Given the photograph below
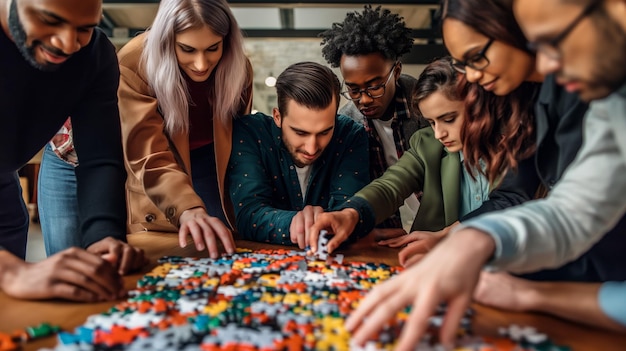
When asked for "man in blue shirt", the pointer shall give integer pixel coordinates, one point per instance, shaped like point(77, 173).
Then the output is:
point(287, 168)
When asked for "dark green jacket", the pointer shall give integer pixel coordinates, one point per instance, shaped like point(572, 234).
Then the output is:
point(426, 167)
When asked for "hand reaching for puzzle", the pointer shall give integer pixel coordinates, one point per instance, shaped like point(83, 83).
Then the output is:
point(448, 274)
point(299, 230)
point(339, 223)
point(205, 231)
point(418, 243)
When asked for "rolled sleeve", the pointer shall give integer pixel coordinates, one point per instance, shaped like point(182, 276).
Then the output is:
point(612, 300)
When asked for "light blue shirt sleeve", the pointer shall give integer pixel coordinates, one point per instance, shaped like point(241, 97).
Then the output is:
point(612, 300)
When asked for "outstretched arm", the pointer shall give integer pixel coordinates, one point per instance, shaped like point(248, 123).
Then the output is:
point(539, 234)
point(598, 305)
point(448, 273)
point(581, 208)
point(383, 196)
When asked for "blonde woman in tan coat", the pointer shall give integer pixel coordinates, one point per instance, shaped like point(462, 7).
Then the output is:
point(182, 82)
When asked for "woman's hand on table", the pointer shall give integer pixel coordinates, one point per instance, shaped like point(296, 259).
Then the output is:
point(205, 231)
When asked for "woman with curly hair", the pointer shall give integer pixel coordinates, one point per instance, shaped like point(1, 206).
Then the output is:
point(493, 55)
point(513, 113)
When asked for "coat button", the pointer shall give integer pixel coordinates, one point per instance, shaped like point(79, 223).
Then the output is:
point(170, 212)
point(150, 217)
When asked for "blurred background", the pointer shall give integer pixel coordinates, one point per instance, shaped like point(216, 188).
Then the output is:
point(279, 33)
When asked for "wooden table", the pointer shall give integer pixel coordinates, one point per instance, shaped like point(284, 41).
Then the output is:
point(17, 314)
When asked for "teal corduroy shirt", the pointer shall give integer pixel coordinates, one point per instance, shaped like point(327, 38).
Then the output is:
point(263, 182)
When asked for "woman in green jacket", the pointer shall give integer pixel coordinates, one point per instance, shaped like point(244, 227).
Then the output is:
point(432, 165)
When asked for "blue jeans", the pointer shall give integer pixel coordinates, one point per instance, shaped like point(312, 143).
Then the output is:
point(57, 203)
point(14, 218)
point(204, 179)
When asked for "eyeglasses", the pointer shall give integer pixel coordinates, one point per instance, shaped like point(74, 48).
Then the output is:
point(374, 92)
point(477, 61)
point(550, 47)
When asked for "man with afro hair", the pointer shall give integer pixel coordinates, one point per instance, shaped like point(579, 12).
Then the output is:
point(367, 47)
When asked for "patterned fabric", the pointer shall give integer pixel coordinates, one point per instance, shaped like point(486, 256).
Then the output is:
point(377, 153)
point(63, 144)
point(402, 117)
point(264, 185)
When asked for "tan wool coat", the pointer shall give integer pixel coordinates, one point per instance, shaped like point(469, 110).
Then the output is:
point(159, 187)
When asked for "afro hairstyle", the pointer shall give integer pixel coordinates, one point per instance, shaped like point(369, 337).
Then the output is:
point(371, 31)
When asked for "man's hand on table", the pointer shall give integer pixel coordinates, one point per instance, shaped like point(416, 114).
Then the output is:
point(72, 274)
point(339, 223)
point(122, 256)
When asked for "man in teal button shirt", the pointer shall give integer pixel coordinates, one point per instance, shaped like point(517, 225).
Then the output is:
point(304, 159)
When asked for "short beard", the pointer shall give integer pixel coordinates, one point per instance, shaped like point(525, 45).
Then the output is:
point(609, 71)
point(19, 37)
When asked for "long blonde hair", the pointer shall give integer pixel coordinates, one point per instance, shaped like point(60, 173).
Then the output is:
point(162, 70)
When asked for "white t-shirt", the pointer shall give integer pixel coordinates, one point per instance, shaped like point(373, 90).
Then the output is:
point(411, 203)
point(303, 179)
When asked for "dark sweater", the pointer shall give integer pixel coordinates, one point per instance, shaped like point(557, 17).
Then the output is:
point(34, 104)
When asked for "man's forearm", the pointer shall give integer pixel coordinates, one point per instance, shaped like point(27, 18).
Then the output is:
point(573, 301)
point(8, 263)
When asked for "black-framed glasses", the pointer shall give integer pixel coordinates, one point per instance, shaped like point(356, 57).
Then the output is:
point(550, 47)
point(374, 92)
point(477, 61)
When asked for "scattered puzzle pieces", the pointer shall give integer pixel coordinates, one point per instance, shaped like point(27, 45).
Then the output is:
point(258, 301)
point(10, 342)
